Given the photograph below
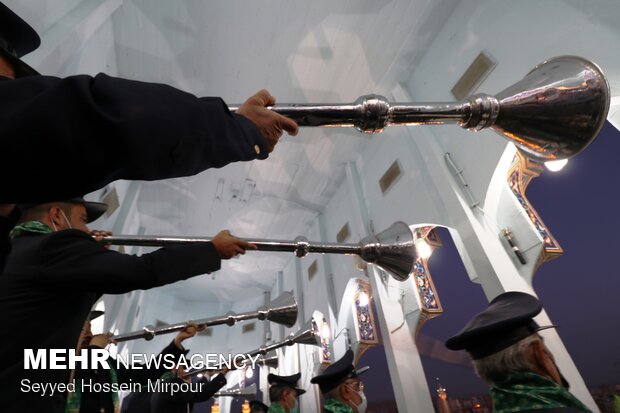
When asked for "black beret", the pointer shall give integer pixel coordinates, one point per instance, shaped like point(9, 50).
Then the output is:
point(338, 372)
point(288, 381)
point(507, 320)
point(93, 209)
point(17, 38)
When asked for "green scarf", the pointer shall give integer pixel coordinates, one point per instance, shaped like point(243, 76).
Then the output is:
point(617, 404)
point(74, 399)
point(334, 406)
point(530, 391)
point(30, 227)
point(168, 376)
point(275, 407)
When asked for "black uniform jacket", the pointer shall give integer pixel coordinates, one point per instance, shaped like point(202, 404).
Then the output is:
point(6, 225)
point(48, 286)
point(67, 137)
point(178, 402)
point(101, 402)
point(137, 402)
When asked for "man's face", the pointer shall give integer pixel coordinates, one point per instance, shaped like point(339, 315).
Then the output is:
point(289, 398)
point(351, 392)
point(78, 217)
point(544, 362)
point(6, 68)
point(552, 368)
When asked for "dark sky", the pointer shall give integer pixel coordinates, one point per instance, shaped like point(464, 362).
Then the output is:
point(580, 290)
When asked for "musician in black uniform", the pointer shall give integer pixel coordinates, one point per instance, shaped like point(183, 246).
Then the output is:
point(183, 401)
point(88, 401)
point(56, 271)
point(109, 128)
point(71, 136)
point(510, 355)
point(283, 393)
point(341, 386)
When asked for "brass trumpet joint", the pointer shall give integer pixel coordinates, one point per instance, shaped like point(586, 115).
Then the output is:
point(482, 110)
point(375, 113)
point(302, 246)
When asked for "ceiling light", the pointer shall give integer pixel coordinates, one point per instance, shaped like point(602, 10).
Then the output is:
point(424, 250)
point(325, 332)
point(362, 299)
point(555, 166)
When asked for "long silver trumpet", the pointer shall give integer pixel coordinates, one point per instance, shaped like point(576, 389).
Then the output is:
point(392, 250)
point(269, 360)
point(235, 391)
point(281, 310)
point(308, 334)
point(552, 113)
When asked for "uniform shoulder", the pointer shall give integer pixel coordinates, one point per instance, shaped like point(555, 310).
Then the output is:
point(67, 238)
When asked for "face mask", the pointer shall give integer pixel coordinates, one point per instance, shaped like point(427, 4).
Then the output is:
point(295, 407)
point(66, 220)
point(361, 408)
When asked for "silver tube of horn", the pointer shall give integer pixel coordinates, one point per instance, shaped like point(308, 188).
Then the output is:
point(392, 250)
point(235, 391)
point(281, 310)
point(553, 113)
point(308, 334)
point(269, 360)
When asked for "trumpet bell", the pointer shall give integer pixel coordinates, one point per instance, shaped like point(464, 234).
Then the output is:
point(308, 334)
point(392, 250)
point(556, 110)
point(235, 391)
point(281, 310)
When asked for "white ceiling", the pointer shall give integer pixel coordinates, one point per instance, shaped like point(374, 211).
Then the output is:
point(317, 51)
point(312, 51)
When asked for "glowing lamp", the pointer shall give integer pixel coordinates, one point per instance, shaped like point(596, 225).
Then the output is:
point(555, 166)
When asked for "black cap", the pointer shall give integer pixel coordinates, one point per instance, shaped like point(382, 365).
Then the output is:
point(257, 406)
point(507, 320)
point(17, 39)
point(94, 314)
point(93, 209)
point(288, 381)
point(338, 372)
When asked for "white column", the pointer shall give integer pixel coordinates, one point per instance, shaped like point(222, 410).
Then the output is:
point(393, 300)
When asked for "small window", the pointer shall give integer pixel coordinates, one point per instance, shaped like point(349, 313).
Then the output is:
point(344, 233)
point(479, 69)
point(390, 177)
point(312, 269)
point(248, 328)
